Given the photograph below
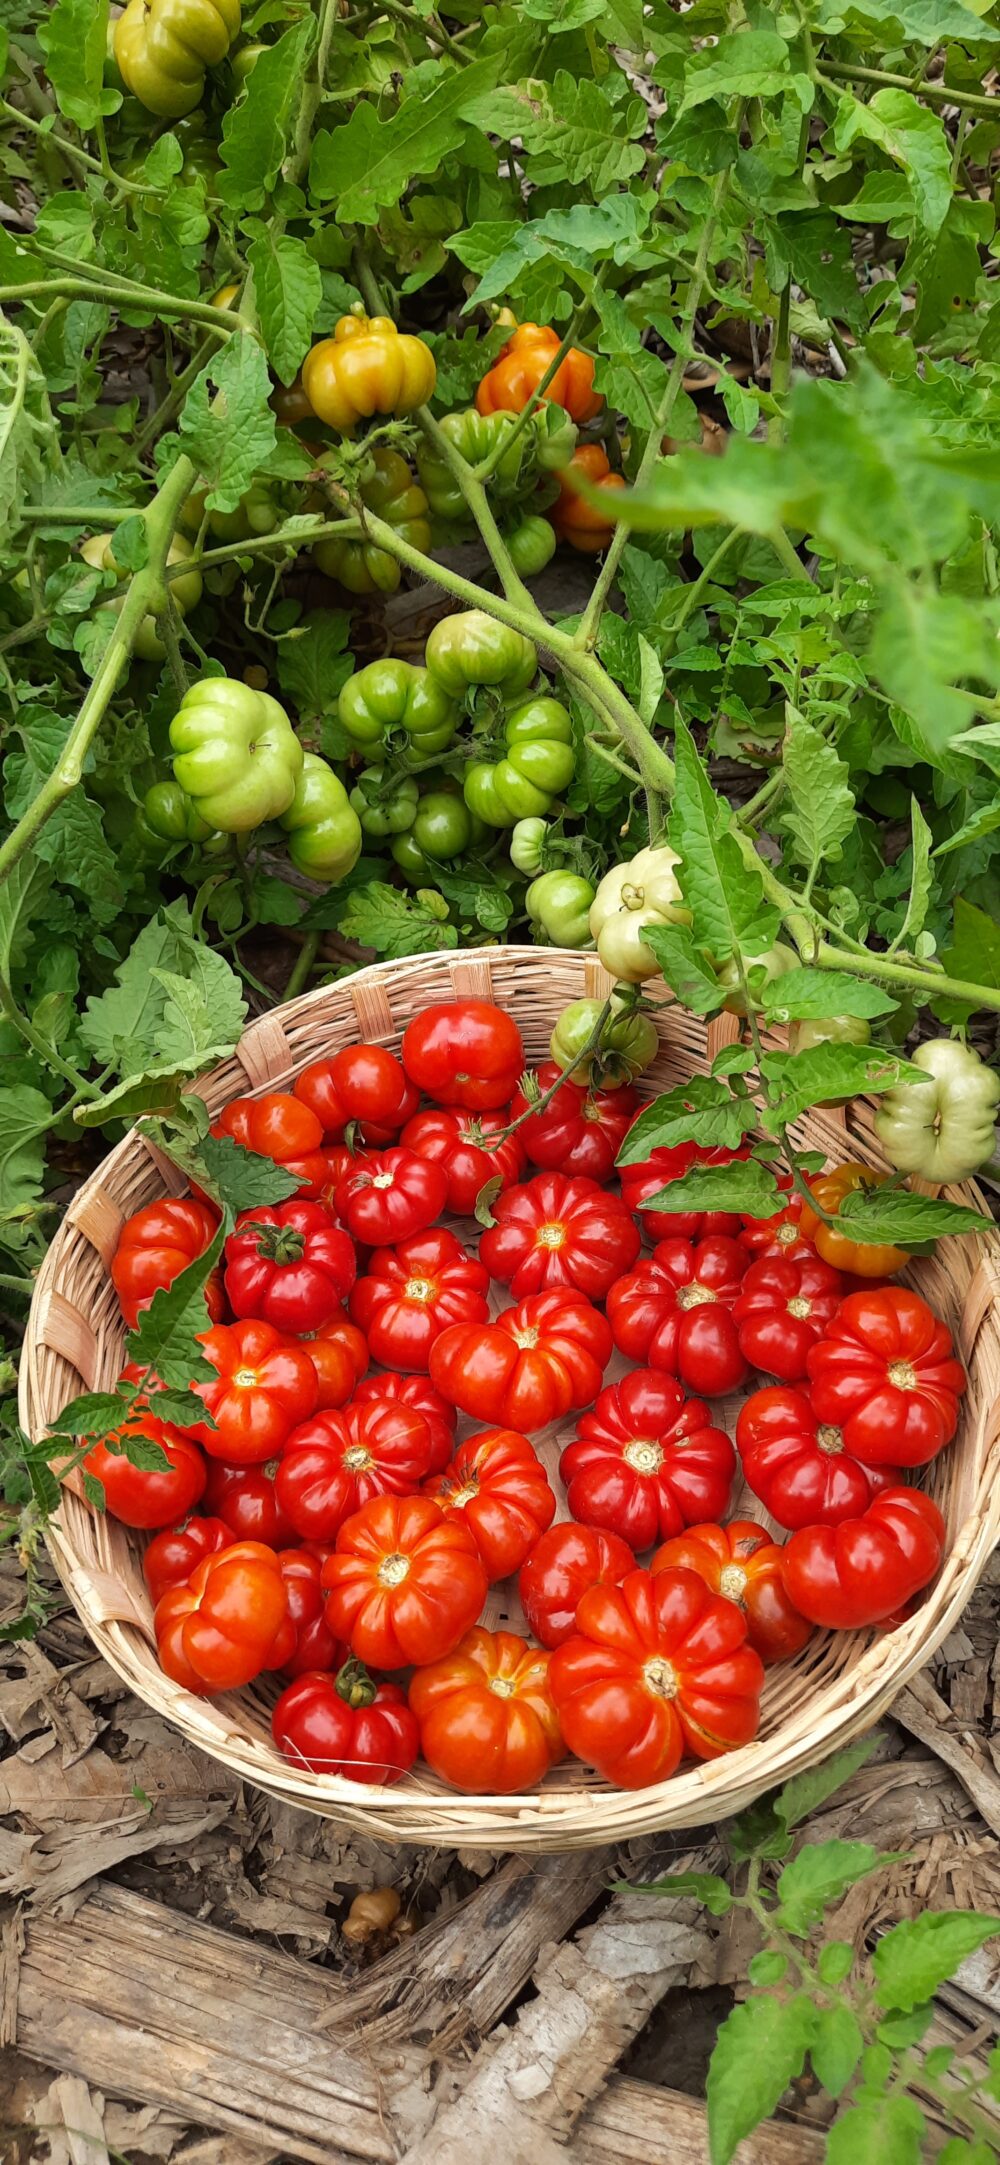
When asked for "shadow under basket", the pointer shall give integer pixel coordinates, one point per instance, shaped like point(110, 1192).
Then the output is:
point(835, 1689)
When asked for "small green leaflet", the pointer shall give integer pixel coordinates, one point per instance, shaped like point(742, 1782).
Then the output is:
point(826, 1072)
point(974, 955)
point(705, 1887)
point(165, 1334)
point(288, 286)
point(804, 1793)
point(21, 897)
point(884, 2131)
point(23, 1112)
point(810, 995)
point(257, 128)
point(230, 434)
point(893, 1214)
point(703, 1111)
point(821, 810)
point(912, 136)
point(917, 1956)
point(819, 1875)
point(760, 2049)
point(723, 891)
point(238, 1179)
point(685, 969)
point(393, 924)
point(369, 161)
point(746, 1188)
point(73, 36)
point(919, 900)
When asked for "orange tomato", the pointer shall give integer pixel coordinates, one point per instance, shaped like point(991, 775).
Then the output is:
point(862, 1258)
point(520, 366)
point(582, 524)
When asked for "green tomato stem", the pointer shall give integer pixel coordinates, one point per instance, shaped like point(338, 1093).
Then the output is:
point(304, 962)
point(968, 101)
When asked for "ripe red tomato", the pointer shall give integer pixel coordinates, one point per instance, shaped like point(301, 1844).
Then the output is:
point(410, 1294)
point(273, 1126)
point(363, 1083)
point(441, 1418)
point(886, 1373)
point(389, 1195)
point(243, 1498)
point(646, 1461)
point(319, 1174)
point(158, 1497)
point(347, 1725)
point(675, 1312)
point(784, 1307)
point(265, 1388)
point(654, 1668)
point(779, 1238)
point(155, 1245)
point(227, 1623)
point(559, 1570)
point(487, 1721)
point(406, 1581)
point(656, 1172)
point(462, 1144)
point(464, 1052)
point(339, 1354)
point(537, 1362)
point(742, 1563)
point(315, 1646)
point(289, 1265)
point(581, 1132)
point(798, 1465)
point(497, 1482)
point(557, 1232)
point(173, 1554)
point(337, 1461)
point(866, 1568)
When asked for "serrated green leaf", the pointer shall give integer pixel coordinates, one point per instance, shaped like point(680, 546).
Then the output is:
point(836, 2048)
point(73, 37)
point(827, 1072)
point(21, 898)
point(685, 969)
point(886, 2131)
point(803, 1793)
point(157, 1091)
point(703, 1110)
point(760, 2049)
point(896, 1216)
point(164, 1338)
point(393, 924)
point(916, 1956)
point(819, 1875)
point(746, 1187)
point(912, 136)
point(23, 1110)
point(815, 995)
point(93, 1414)
point(821, 810)
point(226, 423)
point(370, 161)
point(725, 895)
point(706, 1887)
point(257, 128)
point(288, 285)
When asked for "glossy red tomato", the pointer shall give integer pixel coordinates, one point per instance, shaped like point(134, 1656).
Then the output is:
point(866, 1568)
point(487, 1721)
point(656, 1172)
point(561, 1566)
point(798, 1465)
point(784, 1306)
point(464, 1052)
point(348, 1725)
point(581, 1132)
point(155, 1245)
point(498, 1483)
point(265, 1388)
point(339, 1354)
point(557, 1232)
point(172, 1555)
point(646, 1461)
point(315, 1646)
point(406, 1581)
point(441, 1418)
point(290, 1265)
point(537, 1362)
point(675, 1312)
point(227, 1623)
point(160, 1496)
point(273, 1126)
point(742, 1563)
point(389, 1195)
point(363, 1083)
point(319, 1174)
point(243, 1498)
point(886, 1374)
point(413, 1292)
point(655, 1667)
point(464, 1146)
point(780, 1238)
point(338, 1461)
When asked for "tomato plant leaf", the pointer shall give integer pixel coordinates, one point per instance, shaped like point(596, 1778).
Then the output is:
point(821, 811)
point(805, 1792)
point(916, 1956)
point(724, 894)
point(370, 161)
point(836, 2048)
point(164, 1336)
point(288, 285)
point(229, 433)
point(257, 128)
point(73, 36)
point(893, 1214)
point(759, 2050)
point(884, 2131)
point(703, 1110)
point(747, 1188)
point(811, 995)
point(819, 1875)
point(824, 1073)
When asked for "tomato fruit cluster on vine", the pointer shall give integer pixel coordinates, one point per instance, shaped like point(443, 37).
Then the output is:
point(327, 1519)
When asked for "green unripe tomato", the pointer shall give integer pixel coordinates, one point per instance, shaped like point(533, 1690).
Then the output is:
point(628, 1043)
point(236, 754)
point(941, 1128)
point(558, 904)
point(394, 695)
point(406, 853)
point(531, 546)
point(185, 591)
point(385, 807)
point(829, 1030)
point(172, 815)
point(775, 962)
point(480, 792)
point(472, 648)
point(527, 844)
point(245, 60)
point(444, 827)
point(324, 830)
point(631, 897)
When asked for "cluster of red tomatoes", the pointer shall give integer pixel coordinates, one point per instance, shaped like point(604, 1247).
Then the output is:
point(348, 1534)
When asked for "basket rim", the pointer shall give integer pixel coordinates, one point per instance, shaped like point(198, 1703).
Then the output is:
point(593, 1815)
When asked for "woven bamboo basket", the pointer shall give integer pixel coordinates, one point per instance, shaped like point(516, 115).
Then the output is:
point(835, 1689)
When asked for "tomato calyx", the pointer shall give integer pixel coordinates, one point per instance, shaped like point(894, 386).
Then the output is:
point(526, 1338)
point(551, 1236)
point(660, 1678)
point(393, 1569)
point(381, 1180)
point(829, 1439)
point(278, 1243)
point(694, 1295)
point(419, 1289)
point(733, 1583)
point(246, 1379)
point(902, 1375)
point(354, 1685)
point(643, 1454)
point(799, 1307)
point(357, 1459)
point(502, 1686)
point(787, 1236)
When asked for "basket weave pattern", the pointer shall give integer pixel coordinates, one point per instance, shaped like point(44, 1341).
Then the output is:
point(832, 1691)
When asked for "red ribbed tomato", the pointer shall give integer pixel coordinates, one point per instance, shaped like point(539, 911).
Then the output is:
point(559, 1570)
point(406, 1582)
point(742, 1563)
point(675, 1313)
point(363, 1083)
point(867, 1568)
point(557, 1232)
point(243, 1498)
point(413, 1292)
point(798, 1465)
point(339, 1354)
point(465, 1147)
point(487, 1721)
point(441, 1418)
point(337, 1462)
point(646, 1461)
point(389, 1195)
point(227, 1623)
point(785, 1304)
point(497, 1482)
point(464, 1052)
point(155, 1245)
point(265, 1388)
point(290, 1265)
point(537, 1362)
point(348, 1725)
point(887, 1375)
point(581, 1132)
point(159, 1496)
